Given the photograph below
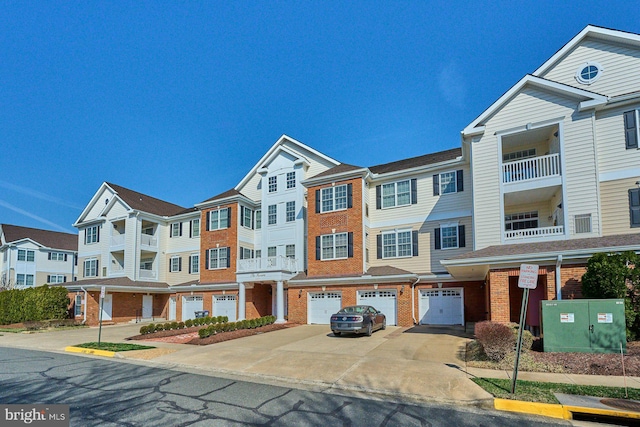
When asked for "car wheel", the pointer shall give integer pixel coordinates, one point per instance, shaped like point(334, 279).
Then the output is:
point(369, 329)
point(384, 324)
point(337, 334)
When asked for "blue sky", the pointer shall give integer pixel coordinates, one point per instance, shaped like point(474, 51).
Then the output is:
point(178, 100)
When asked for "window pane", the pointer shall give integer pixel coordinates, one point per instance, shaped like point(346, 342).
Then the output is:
point(291, 179)
point(449, 237)
point(447, 182)
point(291, 211)
point(271, 251)
point(327, 199)
point(389, 245)
point(195, 228)
point(272, 214)
point(388, 195)
point(22, 255)
point(224, 218)
point(291, 251)
point(340, 241)
point(213, 258)
point(404, 193)
point(341, 197)
point(195, 263)
point(404, 244)
point(273, 184)
point(327, 247)
point(258, 220)
point(213, 217)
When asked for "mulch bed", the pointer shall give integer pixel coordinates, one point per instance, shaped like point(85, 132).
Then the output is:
point(595, 363)
point(190, 335)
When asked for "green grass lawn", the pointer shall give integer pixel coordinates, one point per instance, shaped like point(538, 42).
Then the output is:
point(533, 391)
point(13, 330)
point(111, 346)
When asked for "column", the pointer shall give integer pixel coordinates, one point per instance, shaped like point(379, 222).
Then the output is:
point(280, 302)
point(241, 301)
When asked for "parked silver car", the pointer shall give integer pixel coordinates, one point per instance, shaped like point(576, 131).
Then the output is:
point(358, 319)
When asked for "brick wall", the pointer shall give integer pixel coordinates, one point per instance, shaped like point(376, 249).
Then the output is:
point(227, 237)
point(258, 301)
point(349, 220)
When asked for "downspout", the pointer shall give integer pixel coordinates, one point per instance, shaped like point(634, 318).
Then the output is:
point(558, 279)
point(84, 312)
point(413, 304)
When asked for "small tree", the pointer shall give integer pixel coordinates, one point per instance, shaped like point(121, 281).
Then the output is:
point(615, 276)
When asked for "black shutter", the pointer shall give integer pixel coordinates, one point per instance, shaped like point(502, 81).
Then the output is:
point(252, 254)
point(48, 278)
point(228, 256)
point(85, 236)
point(180, 264)
point(98, 233)
point(459, 183)
point(190, 229)
point(253, 220)
point(65, 257)
point(180, 233)
point(64, 279)
point(350, 247)
point(461, 237)
point(437, 238)
point(190, 261)
point(208, 220)
point(436, 185)
point(241, 252)
point(97, 268)
point(84, 266)
point(630, 129)
point(349, 196)
point(317, 201)
point(379, 246)
point(228, 218)
point(317, 248)
point(242, 216)
point(378, 197)
point(414, 191)
point(206, 260)
point(634, 207)
point(414, 242)
point(49, 257)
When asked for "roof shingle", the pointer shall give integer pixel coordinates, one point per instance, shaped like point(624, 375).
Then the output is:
point(49, 239)
point(144, 203)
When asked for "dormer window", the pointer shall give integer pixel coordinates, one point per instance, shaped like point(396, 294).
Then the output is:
point(588, 73)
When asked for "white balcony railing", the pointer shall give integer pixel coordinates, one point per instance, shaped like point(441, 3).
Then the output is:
point(148, 240)
point(274, 263)
point(116, 268)
point(535, 167)
point(147, 274)
point(532, 233)
point(117, 240)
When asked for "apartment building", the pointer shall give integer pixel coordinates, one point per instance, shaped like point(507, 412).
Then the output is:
point(135, 246)
point(555, 172)
point(34, 257)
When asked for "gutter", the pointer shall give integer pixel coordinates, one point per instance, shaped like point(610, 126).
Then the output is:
point(84, 312)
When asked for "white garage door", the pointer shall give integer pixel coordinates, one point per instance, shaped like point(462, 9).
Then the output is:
point(441, 307)
point(384, 301)
point(225, 305)
point(189, 307)
point(322, 305)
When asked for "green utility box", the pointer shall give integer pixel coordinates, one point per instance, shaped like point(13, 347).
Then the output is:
point(584, 325)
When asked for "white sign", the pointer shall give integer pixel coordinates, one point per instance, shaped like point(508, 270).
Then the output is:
point(566, 318)
point(102, 292)
point(528, 276)
point(605, 317)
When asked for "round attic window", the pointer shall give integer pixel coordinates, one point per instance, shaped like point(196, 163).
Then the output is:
point(589, 73)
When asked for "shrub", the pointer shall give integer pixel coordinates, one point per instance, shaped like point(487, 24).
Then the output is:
point(527, 337)
point(180, 325)
point(207, 320)
point(144, 330)
point(151, 328)
point(188, 323)
point(174, 325)
point(225, 319)
point(497, 339)
point(203, 333)
point(167, 326)
point(33, 304)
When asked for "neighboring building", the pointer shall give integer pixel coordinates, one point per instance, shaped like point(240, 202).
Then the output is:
point(556, 173)
point(136, 246)
point(34, 257)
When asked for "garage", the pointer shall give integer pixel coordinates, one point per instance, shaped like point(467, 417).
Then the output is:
point(383, 300)
point(322, 305)
point(225, 305)
point(441, 306)
point(190, 305)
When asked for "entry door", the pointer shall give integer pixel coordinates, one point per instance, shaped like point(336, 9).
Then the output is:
point(322, 305)
point(107, 307)
point(147, 306)
point(225, 305)
point(172, 308)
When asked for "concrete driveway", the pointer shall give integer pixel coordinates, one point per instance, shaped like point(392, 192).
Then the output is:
point(421, 363)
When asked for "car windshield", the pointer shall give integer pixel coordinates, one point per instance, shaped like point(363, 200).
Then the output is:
point(356, 309)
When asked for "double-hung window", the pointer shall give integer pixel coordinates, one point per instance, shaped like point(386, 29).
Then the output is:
point(271, 251)
point(634, 207)
point(258, 219)
point(91, 268)
point(397, 244)
point(450, 236)
point(26, 255)
point(273, 184)
point(218, 258)
point(218, 219)
point(272, 214)
point(194, 263)
point(55, 278)
point(77, 309)
point(334, 198)
point(290, 251)
point(291, 211)
point(24, 280)
point(247, 217)
point(396, 194)
point(57, 256)
point(195, 228)
point(291, 180)
point(91, 234)
point(176, 229)
point(175, 264)
point(448, 182)
point(334, 246)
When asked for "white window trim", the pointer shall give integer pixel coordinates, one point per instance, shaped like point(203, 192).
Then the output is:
point(175, 229)
point(582, 67)
point(84, 267)
point(91, 237)
point(395, 194)
point(77, 311)
point(396, 232)
point(449, 225)
point(333, 246)
point(275, 184)
point(59, 278)
point(226, 215)
point(258, 216)
point(248, 224)
point(333, 198)
point(171, 266)
point(286, 211)
point(269, 215)
point(218, 258)
point(455, 180)
point(288, 181)
point(197, 265)
point(195, 221)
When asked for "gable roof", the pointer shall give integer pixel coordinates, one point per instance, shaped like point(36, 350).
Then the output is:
point(46, 238)
point(342, 168)
point(142, 202)
point(414, 162)
point(223, 195)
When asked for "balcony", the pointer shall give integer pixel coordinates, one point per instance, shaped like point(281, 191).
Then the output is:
point(532, 168)
point(148, 240)
point(146, 274)
point(275, 263)
point(117, 240)
point(534, 233)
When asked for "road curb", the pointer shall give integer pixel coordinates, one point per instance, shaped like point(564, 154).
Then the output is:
point(559, 411)
point(91, 351)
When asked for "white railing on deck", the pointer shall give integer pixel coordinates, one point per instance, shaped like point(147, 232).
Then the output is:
point(148, 240)
point(532, 233)
point(117, 240)
point(532, 168)
point(147, 274)
point(274, 263)
point(116, 268)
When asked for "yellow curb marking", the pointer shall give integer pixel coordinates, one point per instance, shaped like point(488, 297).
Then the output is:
point(556, 410)
point(95, 352)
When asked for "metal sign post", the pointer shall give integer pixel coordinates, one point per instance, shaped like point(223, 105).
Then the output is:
point(102, 293)
point(528, 280)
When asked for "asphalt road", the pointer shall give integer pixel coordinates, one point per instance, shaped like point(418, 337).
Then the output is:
point(115, 393)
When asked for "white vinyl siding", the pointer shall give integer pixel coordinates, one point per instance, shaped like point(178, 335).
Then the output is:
point(614, 196)
point(613, 156)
